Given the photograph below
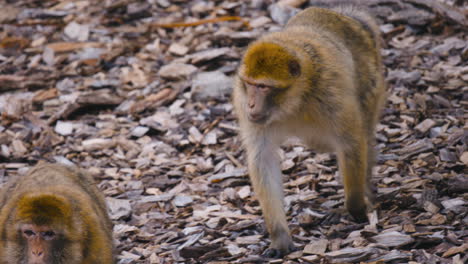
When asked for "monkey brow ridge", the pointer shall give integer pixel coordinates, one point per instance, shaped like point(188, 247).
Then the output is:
point(43, 209)
point(266, 59)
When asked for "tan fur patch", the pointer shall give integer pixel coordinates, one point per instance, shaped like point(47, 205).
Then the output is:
point(268, 60)
point(43, 209)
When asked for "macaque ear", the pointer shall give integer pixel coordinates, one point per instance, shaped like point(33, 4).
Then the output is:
point(294, 68)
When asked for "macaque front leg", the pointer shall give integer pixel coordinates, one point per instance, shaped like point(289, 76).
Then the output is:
point(265, 174)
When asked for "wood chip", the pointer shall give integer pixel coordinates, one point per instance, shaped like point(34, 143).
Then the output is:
point(177, 71)
point(425, 125)
point(316, 247)
point(392, 239)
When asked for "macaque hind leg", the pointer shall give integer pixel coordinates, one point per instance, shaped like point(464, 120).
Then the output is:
point(353, 163)
point(371, 190)
point(266, 178)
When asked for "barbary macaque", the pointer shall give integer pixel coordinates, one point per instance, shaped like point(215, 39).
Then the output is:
point(319, 79)
point(54, 215)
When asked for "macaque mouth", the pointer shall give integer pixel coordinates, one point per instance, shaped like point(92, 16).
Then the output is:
point(258, 118)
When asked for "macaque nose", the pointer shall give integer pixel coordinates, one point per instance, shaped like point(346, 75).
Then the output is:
point(37, 253)
point(251, 104)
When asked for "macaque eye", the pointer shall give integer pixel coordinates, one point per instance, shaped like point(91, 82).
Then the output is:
point(263, 88)
point(28, 233)
point(48, 235)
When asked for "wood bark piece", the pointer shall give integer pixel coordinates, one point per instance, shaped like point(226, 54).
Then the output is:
point(59, 47)
point(442, 10)
point(352, 255)
point(98, 98)
point(153, 101)
point(392, 239)
point(415, 148)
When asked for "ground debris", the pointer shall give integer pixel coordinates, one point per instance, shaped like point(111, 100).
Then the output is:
point(138, 93)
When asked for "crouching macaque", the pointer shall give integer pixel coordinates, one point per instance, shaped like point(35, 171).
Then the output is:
point(319, 79)
point(54, 215)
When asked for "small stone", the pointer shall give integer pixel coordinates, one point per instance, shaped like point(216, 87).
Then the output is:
point(18, 147)
point(195, 135)
point(48, 56)
point(233, 249)
point(65, 85)
point(64, 128)
point(211, 85)
point(140, 131)
point(447, 156)
point(464, 158)
point(176, 107)
point(177, 70)
point(76, 31)
point(244, 192)
point(118, 208)
point(386, 28)
point(5, 151)
point(453, 203)
point(178, 49)
point(287, 164)
point(435, 132)
point(210, 138)
point(182, 200)
point(282, 13)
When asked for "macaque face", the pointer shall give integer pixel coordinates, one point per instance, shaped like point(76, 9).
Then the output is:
point(261, 100)
point(258, 102)
point(38, 240)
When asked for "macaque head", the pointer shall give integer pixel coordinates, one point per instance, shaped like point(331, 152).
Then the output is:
point(268, 75)
point(41, 223)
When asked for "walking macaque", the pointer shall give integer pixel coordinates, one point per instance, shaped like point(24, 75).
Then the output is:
point(319, 79)
point(54, 215)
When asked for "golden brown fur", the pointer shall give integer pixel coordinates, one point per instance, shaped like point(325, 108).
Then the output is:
point(319, 79)
point(58, 199)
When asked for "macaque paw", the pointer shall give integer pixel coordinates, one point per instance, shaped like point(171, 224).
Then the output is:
point(359, 215)
point(276, 253)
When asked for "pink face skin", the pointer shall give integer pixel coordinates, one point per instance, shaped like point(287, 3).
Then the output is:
point(39, 239)
point(257, 104)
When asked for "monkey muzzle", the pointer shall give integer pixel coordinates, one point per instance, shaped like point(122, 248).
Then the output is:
point(258, 118)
